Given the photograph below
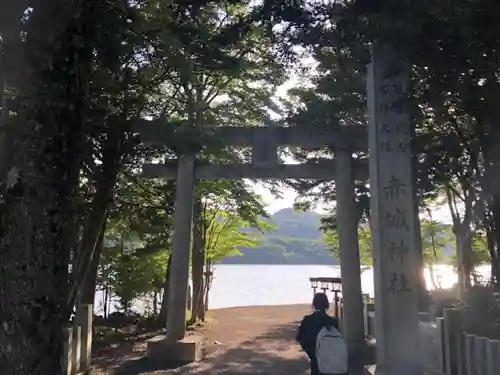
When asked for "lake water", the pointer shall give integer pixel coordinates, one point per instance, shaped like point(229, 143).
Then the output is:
point(249, 285)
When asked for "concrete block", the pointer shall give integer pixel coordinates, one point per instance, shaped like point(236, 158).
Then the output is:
point(163, 351)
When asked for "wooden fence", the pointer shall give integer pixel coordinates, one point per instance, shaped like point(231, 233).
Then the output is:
point(78, 343)
point(445, 348)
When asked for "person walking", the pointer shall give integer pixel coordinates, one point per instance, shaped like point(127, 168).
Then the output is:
point(320, 337)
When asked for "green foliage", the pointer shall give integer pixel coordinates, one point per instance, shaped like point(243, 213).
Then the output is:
point(480, 254)
point(204, 66)
point(226, 234)
point(365, 244)
point(295, 238)
point(482, 312)
point(137, 240)
point(437, 240)
point(126, 273)
point(131, 276)
point(146, 208)
point(454, 74)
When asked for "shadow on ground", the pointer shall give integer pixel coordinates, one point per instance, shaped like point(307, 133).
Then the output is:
point(273, 352)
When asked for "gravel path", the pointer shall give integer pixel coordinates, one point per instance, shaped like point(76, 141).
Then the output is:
point(244, 341)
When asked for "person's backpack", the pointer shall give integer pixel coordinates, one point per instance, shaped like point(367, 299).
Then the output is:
point(331, 351)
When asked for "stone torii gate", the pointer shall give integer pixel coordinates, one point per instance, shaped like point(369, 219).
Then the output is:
point(264, 142)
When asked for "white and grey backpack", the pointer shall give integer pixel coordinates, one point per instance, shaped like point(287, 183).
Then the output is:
point(331, 351)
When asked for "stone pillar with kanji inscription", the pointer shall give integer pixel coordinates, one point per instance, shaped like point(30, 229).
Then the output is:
point(181, 244)
point(352, 295)
point(396, 262)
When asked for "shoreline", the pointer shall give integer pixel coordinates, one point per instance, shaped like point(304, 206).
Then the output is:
point(252, 307)
point(274, 285)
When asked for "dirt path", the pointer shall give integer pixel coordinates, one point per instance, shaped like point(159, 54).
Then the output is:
point(245, 341)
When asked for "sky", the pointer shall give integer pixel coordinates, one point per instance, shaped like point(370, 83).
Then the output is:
point(274, 204)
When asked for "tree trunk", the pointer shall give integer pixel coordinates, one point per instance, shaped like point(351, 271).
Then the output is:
point(494, 240)
point(87, 294)
point(467, 253)
point(106, 298)
point(38, 212)
point(96, 219)
point(155, 303)
point(464, 249)
point(208, 281)
point(11, 62)
point(197, 265)
point(461, 269)
point(423, 298)
point(207, 294)
point(487, 219)
point(434, 252)
point(490, 138)
point(163, 316)
point(461, 228)
point(495, 268)
point(490, 244)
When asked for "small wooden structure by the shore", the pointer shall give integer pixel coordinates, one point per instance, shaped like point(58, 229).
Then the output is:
point(329, 284)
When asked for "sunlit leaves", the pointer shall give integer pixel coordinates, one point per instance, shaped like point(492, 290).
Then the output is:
point(437, 242)
point(226, 233)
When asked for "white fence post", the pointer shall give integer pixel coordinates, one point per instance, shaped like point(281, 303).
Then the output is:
point(469, 354)
point(67, 359)
point(77, 348)
point(490, 358)
point(480, 344)
point(83, 318)
point(453, 342)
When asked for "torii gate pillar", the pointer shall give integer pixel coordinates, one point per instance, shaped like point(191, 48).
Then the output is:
point(352, 295)
point(181, 245)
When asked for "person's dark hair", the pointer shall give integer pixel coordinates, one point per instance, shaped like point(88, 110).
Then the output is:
point(320, 301)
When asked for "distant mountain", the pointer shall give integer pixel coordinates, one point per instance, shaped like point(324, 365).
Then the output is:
point(296, 240)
